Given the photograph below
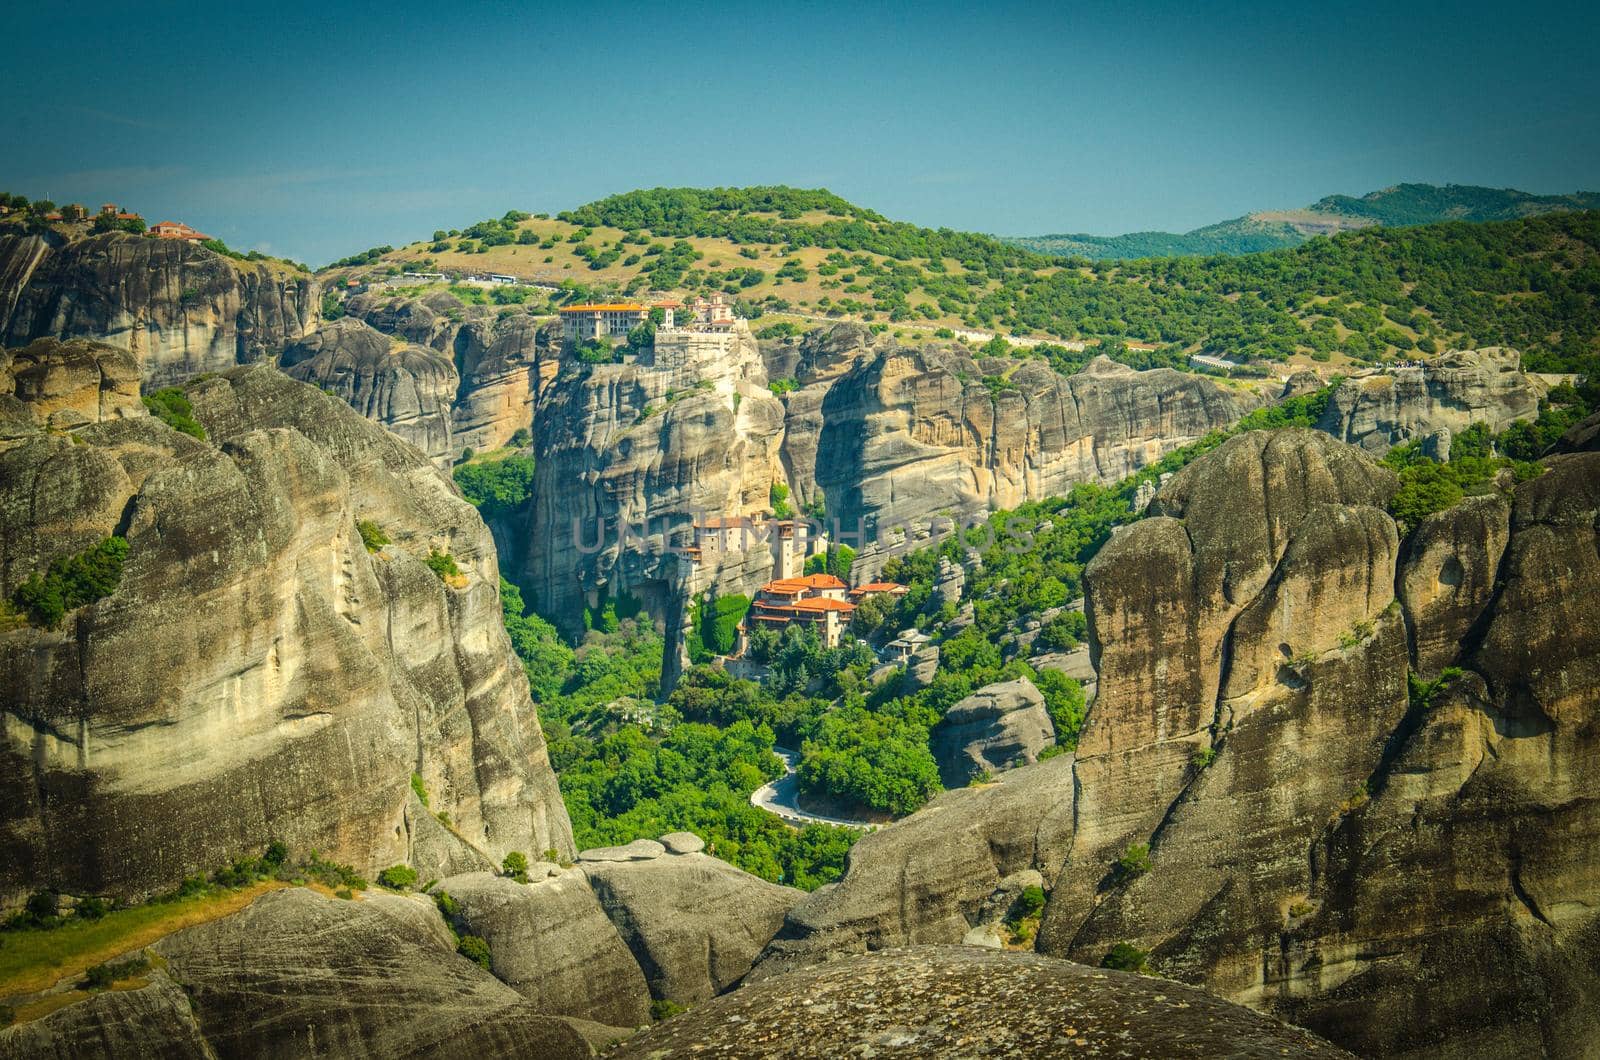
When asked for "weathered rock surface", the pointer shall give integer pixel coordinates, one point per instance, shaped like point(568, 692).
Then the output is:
point(179, 308)
point(153, 1020)
point(1345, 802)
point(909, 433)
point(1408, 875)
point(551, 941)
point(999, 727)
point(695, 924)
point(1452, 391)
point(927, 879)
point(1582, 437)
point(708, 447)
point(949, 1001)
point(409, 389)
point(257, 674)
point(503, 358)
point(297, 974)
point(65, 385)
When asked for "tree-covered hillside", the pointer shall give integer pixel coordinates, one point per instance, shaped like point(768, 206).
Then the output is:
point(1417, 204)
point(1356, 297)
point(1403, 204)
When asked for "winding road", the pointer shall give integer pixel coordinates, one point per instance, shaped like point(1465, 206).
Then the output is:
point(781, 797)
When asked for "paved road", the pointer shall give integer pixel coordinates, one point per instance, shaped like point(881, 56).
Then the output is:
point(782, 797)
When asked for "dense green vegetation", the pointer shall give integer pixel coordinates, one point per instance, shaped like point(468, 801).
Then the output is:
point(1416, 204)
point(71, 582)
point(1478, 460)
point(171, 406)
point(1243, 235)
point(631, 768)
point(496, 487)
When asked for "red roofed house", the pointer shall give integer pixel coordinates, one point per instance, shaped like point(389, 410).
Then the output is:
point(816, 599)
point(176, 230)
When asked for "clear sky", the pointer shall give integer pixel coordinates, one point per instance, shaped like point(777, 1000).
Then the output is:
point(316, 130)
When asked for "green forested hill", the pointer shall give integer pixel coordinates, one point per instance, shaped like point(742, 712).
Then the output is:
point(1416, 204)
point(1403, 204)
point(1366, 295)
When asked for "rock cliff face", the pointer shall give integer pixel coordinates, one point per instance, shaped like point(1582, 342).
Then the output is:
point(1450, 392)
point(652, 445)
point(1405, 873)
point(178, 308)
point(907, 434)
point(257, 674)
point(502, 361)
point(407, 388)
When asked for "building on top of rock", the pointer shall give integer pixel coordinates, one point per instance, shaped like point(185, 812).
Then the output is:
point(713, 310)
point(580, 323)
point(177, 230)
point(791, 541)
point(816, 599)
point(861, 592)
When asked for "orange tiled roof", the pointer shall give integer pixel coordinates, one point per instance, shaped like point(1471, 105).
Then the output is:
point(609, 307)
point(818, 603)
point(876, 587)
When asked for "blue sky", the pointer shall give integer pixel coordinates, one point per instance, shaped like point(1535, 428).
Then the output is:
point(315, 131)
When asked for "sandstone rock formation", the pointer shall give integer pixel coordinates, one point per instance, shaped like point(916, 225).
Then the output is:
point(910, 433)
point(1452, 391)
point(929, 878)
point(998, 727)
point(409, 389)
point(1260, 802)
point(297, 974)
point(65, 385)
point(551, 942)
point(179, 308)
point(257, 674)
point(694, 924)
point(653, 445)
point(504, 358)
point(950, 1001)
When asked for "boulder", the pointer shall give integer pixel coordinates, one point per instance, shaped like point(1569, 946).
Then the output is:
point(694, 924)
point(69, 383)
point(638, 850)
point(960, 1001)
point(998, 727)
point(298, 974)
point(683, 843)
point(551, 941)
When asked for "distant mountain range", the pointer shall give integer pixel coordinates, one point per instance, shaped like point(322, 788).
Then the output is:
point(1403, 204)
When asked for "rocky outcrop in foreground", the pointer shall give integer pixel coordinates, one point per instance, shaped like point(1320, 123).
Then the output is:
point(1260, 802)
point(298, 974)
point(177, 308)
point(257, 673)
point(960, 1002)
